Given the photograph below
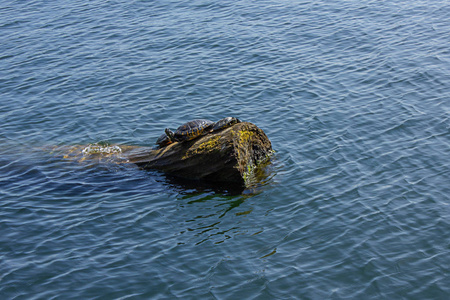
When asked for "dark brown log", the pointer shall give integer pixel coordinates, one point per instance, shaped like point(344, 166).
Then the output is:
point(230, 155)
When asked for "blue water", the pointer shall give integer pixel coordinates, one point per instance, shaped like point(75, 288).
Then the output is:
point(354, 96)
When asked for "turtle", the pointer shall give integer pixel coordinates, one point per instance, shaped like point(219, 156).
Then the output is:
point(190, 130)
point(193, 129)
point(224, 123)
point(163, 140)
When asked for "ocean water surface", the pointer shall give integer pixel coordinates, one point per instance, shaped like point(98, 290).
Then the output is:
point(354, 96)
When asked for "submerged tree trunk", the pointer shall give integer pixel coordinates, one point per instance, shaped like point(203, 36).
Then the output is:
point(229, 155)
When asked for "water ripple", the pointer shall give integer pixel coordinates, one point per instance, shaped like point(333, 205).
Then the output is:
point(354, 97)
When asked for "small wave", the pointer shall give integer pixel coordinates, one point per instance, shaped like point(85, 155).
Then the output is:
point(99, 149)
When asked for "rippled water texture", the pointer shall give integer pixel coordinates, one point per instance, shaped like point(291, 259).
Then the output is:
point(354, 96)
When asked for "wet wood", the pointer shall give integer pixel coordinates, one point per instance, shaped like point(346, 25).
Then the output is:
point(229, 155)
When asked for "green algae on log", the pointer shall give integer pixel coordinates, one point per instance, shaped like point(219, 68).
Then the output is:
point(229, 155)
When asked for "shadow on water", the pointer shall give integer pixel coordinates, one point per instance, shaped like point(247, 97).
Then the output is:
point(186, 186)
point(207, 212)
point(216, 212)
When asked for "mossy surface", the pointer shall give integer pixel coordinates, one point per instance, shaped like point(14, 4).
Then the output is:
point(255, 171)
point(205, 147)
point(245, 136)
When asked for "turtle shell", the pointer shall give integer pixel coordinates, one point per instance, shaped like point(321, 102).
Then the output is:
point(192, 129)
point(225, 122)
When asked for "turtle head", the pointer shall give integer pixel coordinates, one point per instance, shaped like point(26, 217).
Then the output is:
point(169, 134)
